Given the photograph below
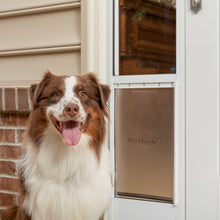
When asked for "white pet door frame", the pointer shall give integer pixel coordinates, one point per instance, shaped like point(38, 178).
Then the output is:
point(141, 190)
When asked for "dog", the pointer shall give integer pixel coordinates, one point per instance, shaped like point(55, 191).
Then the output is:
point(65, 169)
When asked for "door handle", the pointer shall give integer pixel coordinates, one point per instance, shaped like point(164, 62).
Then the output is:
point(196, 5)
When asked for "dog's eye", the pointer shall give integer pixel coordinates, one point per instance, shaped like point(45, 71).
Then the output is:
point(55, 93)
point(82, 94)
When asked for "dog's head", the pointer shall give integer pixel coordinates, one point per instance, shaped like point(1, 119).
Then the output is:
point(70, 105)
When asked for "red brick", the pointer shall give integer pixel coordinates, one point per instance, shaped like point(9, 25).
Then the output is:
point(7, 135)
point(10, 99)
point(8, 168)
point(13, 119)
point(22, 119)
point(23, 104)
point(20, 135)
point(8, 119)
point(10, 152)
point(10, 184)
point(7, 199)
point(1, 107)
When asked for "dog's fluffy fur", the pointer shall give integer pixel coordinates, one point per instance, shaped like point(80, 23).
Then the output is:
point(65, 169)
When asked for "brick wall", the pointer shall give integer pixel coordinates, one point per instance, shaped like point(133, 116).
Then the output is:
point(14, 110)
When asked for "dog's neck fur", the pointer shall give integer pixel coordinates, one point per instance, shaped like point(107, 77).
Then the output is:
point(70, 173)
point(53, 159)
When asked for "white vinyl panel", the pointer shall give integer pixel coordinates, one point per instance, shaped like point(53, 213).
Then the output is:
point(32, 67)
point(10, 5)
point(202, 112)
point(40, 30)
point(142, 210)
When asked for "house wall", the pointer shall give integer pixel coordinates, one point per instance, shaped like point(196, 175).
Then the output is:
point(36, 36)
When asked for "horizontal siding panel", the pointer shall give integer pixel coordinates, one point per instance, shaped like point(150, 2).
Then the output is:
point(11, 5)
point(32, 67)
point(40, 30)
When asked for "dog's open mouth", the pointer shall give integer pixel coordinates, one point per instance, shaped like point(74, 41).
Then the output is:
point(70, 130)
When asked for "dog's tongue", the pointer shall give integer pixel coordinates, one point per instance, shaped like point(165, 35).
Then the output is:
point(71, 133)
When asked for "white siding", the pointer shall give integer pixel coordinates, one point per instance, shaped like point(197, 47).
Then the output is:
point(37, 36)
point(41, 30)
point(14, 5)
point(32, 67)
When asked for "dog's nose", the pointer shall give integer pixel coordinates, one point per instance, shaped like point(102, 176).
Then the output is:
point(71, 109)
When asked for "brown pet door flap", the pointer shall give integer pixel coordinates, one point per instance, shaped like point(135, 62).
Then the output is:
point(144, 142)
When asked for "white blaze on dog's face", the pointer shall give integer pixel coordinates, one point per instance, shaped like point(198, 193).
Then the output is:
point(68, 114)
point(72, 104)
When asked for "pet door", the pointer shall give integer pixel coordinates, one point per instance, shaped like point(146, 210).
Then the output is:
point(144, 143)
point(144, 86)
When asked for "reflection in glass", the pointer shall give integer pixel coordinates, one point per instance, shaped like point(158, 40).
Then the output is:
point(147, 37)
point(144, 141)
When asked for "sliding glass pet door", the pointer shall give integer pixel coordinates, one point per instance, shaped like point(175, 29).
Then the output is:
point(146, 102)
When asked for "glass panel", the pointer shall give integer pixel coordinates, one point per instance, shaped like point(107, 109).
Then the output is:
point(147, 37)
point(144, 141)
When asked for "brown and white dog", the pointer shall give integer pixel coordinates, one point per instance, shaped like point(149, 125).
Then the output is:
point(65, 168)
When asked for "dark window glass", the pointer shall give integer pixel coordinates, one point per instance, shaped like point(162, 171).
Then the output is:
point(147, 37)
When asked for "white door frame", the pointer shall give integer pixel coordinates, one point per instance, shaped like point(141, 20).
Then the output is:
point(147, 208)
point(202, 112)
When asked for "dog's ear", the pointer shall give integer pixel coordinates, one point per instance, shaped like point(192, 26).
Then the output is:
point(106, 93)
point(103, 92)
point(37, 89)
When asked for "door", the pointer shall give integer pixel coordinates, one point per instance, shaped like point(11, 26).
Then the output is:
point(164, 85)
point(147, 134)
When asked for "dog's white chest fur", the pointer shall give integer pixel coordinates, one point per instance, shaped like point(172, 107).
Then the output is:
point(66, 182)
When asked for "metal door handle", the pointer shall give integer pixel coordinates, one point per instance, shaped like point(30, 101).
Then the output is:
point(196, 5)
